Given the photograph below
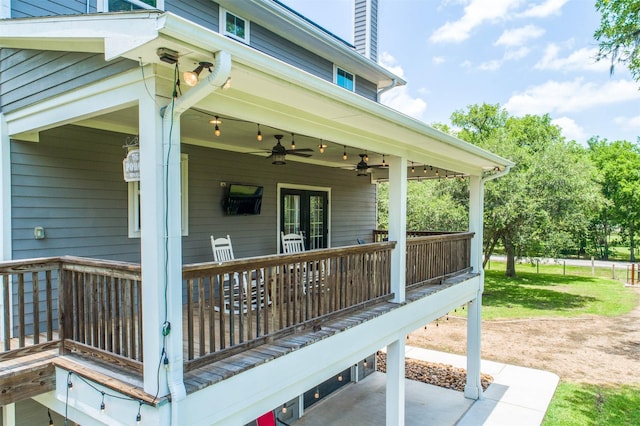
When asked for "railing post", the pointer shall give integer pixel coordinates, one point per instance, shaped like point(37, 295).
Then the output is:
point(65, 307)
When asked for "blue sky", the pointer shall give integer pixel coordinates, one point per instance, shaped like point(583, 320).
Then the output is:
point(531, 57)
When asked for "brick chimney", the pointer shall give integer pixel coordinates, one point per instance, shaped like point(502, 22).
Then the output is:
point(365, 28)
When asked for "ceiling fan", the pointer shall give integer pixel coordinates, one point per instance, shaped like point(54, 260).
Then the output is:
point(278, 152)
point(364, 169)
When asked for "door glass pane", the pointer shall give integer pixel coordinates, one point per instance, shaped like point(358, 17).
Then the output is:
point(316, 222)
point(291, 214)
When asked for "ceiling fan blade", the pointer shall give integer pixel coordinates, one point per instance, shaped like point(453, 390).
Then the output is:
point(291, 151)
point(299, 154)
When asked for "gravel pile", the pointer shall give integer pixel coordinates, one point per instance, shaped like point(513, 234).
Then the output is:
point(442, 375)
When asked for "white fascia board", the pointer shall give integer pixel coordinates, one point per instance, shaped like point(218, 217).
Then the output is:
point(113, 34)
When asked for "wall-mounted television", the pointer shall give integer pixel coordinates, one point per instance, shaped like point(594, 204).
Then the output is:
point(243, 199)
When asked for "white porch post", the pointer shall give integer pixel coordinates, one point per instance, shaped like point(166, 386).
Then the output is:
point(395, 382)
point(473, 388)
point(161, 249)
point(398, 225)
point(5, 191)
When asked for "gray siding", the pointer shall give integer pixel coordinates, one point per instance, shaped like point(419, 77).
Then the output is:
point(202, 12)
point(367, 89)
point(30, 8)
point(360, 34)
point(71, 184)
point(287, 51)
point(353, 212)
point(29, 76)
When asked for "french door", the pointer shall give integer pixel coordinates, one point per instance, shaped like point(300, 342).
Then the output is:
point(305, 212)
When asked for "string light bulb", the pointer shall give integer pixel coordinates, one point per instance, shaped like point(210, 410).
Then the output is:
point(259, 135)
point(424, 169)
point(339, 377)
point(364, 363)
point(102, 406)
point(316, 395)
point(216, 130)
point(50, 419)
point(293, 142)
point(413, 169)
point(284, 409)
point(384, 164)
point(344, 153)
point(366, 157)
point(322, 147)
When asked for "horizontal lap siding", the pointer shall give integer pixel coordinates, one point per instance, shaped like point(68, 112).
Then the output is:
point(29, 8)
point(353, 211)
point(29, 76)
point(285, 50)
point(202, 12)
point(71, 184)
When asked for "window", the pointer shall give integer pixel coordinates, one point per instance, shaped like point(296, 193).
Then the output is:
point(128, 5)
point(234, 26)
point(344, 79)
point(134, 201)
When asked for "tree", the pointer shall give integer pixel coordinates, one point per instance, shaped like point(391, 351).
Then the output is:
point(619, 33)
point(546, 201)
point(618, 165)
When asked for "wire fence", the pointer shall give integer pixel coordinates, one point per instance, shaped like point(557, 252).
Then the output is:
point(625, 272)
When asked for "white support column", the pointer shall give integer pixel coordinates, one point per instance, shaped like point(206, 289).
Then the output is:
point(5, 191)
point(473, 388)
point(9, 415)
point(395, 383)
point(161, 249)
point(398, 225)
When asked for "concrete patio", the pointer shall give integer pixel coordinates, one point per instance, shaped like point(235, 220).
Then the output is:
point(517, 395)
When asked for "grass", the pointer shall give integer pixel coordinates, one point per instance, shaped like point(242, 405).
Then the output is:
point(553, 291)
point(532, 295)
point(584, 405)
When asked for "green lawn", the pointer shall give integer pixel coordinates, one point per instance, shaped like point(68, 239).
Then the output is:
point(584, 405)
point(539, 292)
point(547, 295)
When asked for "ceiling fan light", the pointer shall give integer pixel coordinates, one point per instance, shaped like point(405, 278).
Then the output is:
point(278, 159)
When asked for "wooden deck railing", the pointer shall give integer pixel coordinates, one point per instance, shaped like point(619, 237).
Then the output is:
point(29, 286)
point(95, 306)
point(89, 305)
point(283, 292)
point(383, 234)
point(101, 309)
point(436, 257)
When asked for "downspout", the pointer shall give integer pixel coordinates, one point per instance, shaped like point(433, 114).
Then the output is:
point(493, 176)
point(171, 113)
point(394, 83)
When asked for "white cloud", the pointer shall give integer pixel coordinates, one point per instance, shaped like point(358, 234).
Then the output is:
point(475, 13)
point(512, 55)
point(542, 10)
point(437, 60)
point(389, 62)
point(399, 98)
point(571, 96)
point(570, 129)
point(579, 60)
point(630, 123)
point(490, 65)
point(519, 36)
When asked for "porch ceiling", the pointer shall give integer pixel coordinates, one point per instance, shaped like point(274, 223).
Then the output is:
point(282, 98)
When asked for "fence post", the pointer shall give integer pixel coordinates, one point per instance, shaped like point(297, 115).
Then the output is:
point(613, 271)
point(564, 267)
point(537, 266)
point(593, 267)
point(633, 273)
